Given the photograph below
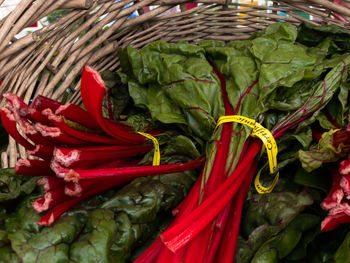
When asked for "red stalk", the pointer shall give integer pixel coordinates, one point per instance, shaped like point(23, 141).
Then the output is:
point(81, 135)
point(333, 221)
point(218, 233)
point(22, 108)
point(132, 172)
point(109, 183)
point(32, 134)
point(33, 167)
point(33, 115)
point(81, 157)
point(44, 152)
point(16, 102)
point(179, 235)
point(92, 83)
point(77, 114)
point(49, 200)
point(223, 217)
point(197, 248)
point(228, 244)
point(151, 253)
point(9, 124)
point(187, 206)
point(41, 103)
point(50, 183)
point(76, 189)
point(57, 137)
point(127, 162)
point(191, 199)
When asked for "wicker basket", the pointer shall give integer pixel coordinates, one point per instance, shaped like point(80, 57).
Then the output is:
point(49, 61)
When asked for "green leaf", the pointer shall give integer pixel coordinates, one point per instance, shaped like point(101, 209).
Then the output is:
point(176, 83)
point(325, 152)
point(94, 245)
point(317, 179)
point(304, 137)
point(322, 93)
point(8, 256)
point(343, 252)
point(274, 209)
point(12, 186)
point(311, 35)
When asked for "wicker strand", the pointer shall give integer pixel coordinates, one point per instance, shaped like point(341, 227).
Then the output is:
point(50, 60)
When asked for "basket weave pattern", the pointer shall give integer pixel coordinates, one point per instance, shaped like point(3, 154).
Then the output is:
point(49, 61)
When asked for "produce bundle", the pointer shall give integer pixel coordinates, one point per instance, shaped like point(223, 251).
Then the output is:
point(215, 113)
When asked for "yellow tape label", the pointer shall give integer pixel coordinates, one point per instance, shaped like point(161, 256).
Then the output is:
point(269, 142)
point(156, 156)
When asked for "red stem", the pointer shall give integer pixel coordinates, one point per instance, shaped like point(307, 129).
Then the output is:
point(218, 233)
point(92, 93)
point(77, 114)
point(179, 235)
point(33, 167)
point(9, 124)
point(151, 253)
point(50, 183)
point(81, 157)
point(82, 135)
point(228, 244)
point(133, 172)
point(41, 103)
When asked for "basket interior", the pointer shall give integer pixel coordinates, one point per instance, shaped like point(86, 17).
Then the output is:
point(49, 61)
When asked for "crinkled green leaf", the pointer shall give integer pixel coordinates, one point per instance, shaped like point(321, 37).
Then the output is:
point(322, 93)
point(182, 145)
point(8, 256)
point(304, 137)
point(99, 230)
point(285, 242)
point(35, 244)
point(141, 122)
point(274, 209)
point(325, 152)
point(282, 62)
point(312, 35)
point(179, 82)
point(12, 186)
point(162, 108)
point(292, 98)
point(94, 245)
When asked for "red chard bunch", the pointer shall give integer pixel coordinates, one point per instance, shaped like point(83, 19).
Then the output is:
point(79, 153)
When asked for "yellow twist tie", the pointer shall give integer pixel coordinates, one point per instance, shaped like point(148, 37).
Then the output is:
point(269, 142)
point(156, 156)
